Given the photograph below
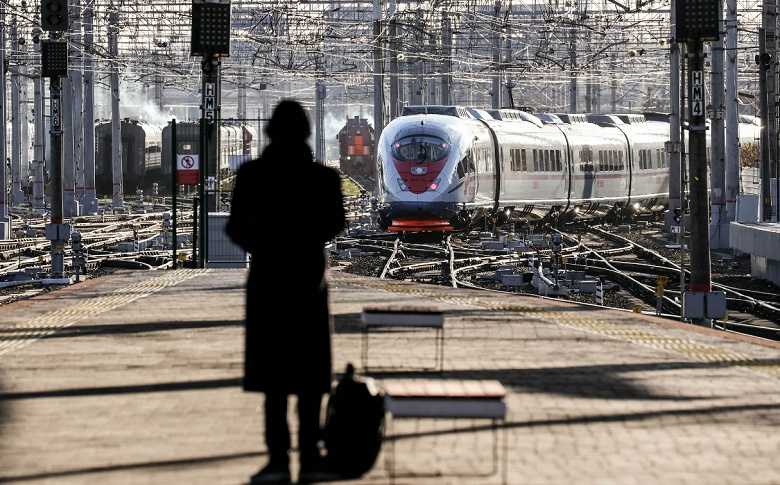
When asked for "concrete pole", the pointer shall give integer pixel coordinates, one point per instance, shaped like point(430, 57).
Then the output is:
point(507, 48)
point(89, 197)
point(241, 113)
point(698, 221)
point(395, 105)
point(378, 77)
point(446, 78)
point(26, 115)
point(496, 88)
point(69, 140)
point(732, 117)
point(5, 221)
point(573, 70)
point(17, 194)
point(39, 203)
point(675, 139)
point(319, 123)
point(57, 231)
point(613, 84)
point(764, 151)
point(75, 166)
point(716, 112)
point(770, 15)
point(116, 127)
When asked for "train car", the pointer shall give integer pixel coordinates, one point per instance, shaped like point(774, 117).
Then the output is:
point(356, 147)
point(140, 154)
point(146, 153)
point(238, 143)
point(444, 168)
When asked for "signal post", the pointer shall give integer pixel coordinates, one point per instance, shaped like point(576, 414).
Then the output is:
point(210, 40)
point(698, 21)
point(54, 65)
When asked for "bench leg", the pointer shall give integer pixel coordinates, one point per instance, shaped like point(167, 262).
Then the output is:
point(364, 349)
point(440, 349)
point(500, 447)
point(390, 453)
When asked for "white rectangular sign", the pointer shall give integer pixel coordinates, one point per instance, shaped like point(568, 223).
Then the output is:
point(187, 162)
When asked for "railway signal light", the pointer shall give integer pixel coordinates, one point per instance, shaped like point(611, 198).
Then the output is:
point(677, 215)
point(210, 29)
point(54, 15)
point(54, 58)
point(556, 243)
point(76, 245)
point(698, 19)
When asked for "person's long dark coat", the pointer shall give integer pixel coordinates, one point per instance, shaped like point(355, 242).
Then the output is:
point(285, 207)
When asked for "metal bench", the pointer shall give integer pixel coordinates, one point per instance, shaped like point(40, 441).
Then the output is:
point(410, 317)
point(473, 399)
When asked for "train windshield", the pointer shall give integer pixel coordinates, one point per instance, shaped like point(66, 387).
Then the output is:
point(420, 149)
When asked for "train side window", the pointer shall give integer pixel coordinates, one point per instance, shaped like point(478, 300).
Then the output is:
point(461, 168)
point(536, 160)
point(546, 160)
point(601, 160)
point(524, 163)
point(470, 167)
point(621, 163)
point(517, 160)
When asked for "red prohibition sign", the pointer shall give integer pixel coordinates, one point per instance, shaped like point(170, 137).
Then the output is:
point(187, 162)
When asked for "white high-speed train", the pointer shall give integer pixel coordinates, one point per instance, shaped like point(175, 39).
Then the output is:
point(444, 168)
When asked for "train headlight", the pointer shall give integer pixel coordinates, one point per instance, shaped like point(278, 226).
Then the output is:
point(402, 186)
point(434, 185)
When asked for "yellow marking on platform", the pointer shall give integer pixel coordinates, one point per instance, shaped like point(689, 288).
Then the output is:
point(688, 348)
point(24, 333)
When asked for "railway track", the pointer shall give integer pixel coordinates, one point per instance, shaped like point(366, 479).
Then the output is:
point(626, 260)
point(137, 240)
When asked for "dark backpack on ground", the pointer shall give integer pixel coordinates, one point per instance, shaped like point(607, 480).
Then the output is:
point(354, 425)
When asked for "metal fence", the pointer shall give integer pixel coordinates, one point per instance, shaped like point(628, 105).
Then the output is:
point(217, 151)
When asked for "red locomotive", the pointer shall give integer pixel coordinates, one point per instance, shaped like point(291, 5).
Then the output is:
point(356, 148)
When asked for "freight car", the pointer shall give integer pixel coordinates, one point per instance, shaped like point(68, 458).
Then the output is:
point(140, 155)
point(238, 143)
point(147, 156)
point(356, 148)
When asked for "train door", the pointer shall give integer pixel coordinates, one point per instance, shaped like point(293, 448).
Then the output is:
point(587, 167)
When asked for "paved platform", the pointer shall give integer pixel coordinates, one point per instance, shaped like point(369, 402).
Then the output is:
point(135, 379)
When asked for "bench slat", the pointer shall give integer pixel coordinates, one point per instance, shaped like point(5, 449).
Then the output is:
point(445, 399)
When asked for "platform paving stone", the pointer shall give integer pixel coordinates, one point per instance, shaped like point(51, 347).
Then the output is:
point(135, 379)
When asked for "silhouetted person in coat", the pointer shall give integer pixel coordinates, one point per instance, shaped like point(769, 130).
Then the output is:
point(291, 355)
